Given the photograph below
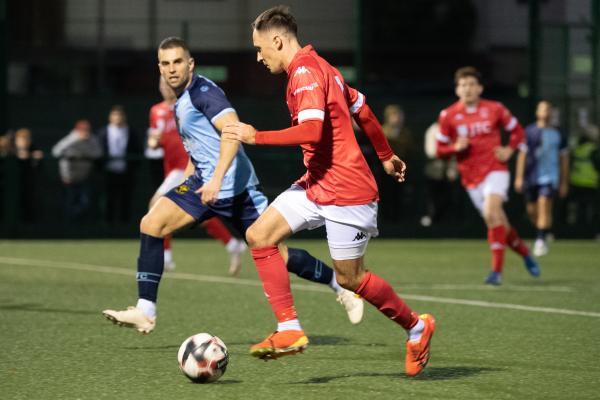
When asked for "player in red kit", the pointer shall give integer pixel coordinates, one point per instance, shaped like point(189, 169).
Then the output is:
point(470, 129)
point(338, 189)
point(163, 134)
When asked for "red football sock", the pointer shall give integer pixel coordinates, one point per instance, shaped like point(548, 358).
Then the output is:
point(276, 282)
point(167, 242)
point(497, 241)
point(379, 293)
point(515, 242)
point(217, 229)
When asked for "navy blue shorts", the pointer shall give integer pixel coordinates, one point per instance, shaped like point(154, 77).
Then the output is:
point(240, 211)
point(533, 192)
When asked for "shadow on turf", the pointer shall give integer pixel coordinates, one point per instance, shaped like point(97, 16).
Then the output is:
point(325, 340)
point(221, 382)
point(430, 374)
point(40, 308)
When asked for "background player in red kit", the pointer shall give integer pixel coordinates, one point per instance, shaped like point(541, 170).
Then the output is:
point(163, 133)
point(470, 130)
point(338, 189)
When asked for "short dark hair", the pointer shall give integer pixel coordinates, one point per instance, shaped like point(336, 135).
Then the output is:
point(276, 17)
point(117, 108)
point(173, 42)
point(465, 72)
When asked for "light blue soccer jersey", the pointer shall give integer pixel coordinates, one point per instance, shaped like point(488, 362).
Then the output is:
point(196, 109)
point(543, 158)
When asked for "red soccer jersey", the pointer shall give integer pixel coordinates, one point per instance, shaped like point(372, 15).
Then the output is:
point(337, 173)
point(162, 117)
point(481, 124)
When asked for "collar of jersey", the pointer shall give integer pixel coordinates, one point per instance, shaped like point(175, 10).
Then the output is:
point(305, 50)
point(195, 79)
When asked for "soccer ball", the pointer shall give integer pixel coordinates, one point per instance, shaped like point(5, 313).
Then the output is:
point(203, 358)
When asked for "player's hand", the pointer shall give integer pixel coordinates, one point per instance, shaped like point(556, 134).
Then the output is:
point(154, 138)
point(209, 192)
point(563, 190)
point(503, 153)
point(395, 167)
point(461, 144)
point(519, 185)
point(239, 131)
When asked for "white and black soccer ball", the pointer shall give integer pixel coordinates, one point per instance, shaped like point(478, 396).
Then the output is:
point(203, 358)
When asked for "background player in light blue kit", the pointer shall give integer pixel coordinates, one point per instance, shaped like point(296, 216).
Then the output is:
point(542, 170)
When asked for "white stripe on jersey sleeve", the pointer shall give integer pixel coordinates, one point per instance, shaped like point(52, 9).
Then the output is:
point(357, 104)
point(511, 124)
point(442, 138)
point(311, 113)
point(224, 111)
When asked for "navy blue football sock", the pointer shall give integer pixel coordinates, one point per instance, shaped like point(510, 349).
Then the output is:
point(301, 263)
point(150, 266)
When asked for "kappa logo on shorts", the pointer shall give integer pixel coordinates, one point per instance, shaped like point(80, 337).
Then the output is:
point(359, 236)
point(182, 189)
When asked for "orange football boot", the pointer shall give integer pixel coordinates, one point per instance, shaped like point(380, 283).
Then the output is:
point(279, 344)
point(417, 351)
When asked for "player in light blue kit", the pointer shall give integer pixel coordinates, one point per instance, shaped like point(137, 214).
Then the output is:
point(542, 170)
point(220, 182)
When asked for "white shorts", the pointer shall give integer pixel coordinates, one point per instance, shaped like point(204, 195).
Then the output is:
point(175, 178)
point(349, 228)
point(496, 182)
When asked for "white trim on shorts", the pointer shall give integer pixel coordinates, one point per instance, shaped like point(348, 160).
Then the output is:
point(496, 182)
point(349, 228)
point(173, 179)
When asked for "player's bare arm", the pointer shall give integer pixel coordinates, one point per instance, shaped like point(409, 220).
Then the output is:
point(520, 171)
point(563, 187)
point(228, 150)
point(189, 169)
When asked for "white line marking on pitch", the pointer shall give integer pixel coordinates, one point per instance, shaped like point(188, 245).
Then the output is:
point(311, 288)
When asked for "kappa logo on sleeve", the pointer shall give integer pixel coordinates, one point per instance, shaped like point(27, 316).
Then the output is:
point(301, 70)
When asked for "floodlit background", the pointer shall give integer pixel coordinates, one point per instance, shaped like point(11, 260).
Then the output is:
point(64, 60)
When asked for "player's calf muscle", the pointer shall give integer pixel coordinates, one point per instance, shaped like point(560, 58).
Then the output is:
point(349, 273)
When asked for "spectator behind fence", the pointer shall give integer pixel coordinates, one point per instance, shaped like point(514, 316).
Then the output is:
point(394, 197)
point(582, 206)
point(121, 147)
point(5, 145)
point(77, 152)
point(439, 176)
point(28, 163)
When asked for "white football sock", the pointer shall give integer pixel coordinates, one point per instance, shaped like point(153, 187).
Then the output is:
point(148, 307)
point(168, 256)
point(415, 332)
point(334, 285)
point(291, 325)
point(232, 245)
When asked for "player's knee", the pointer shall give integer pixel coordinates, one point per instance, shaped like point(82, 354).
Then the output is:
point(254, 237)
point(257, 238)
point(151, 225)
point(492, 218)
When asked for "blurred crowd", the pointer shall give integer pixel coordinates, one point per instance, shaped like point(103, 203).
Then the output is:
point(97, 171)
point(111, 154)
